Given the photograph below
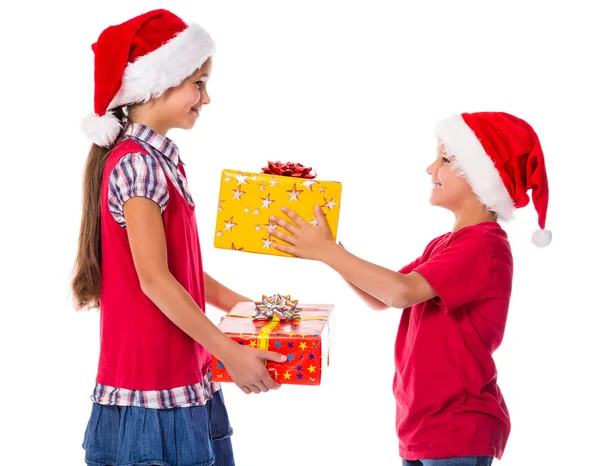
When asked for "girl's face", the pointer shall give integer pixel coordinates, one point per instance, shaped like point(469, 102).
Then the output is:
point(450, 190)
point(180, 106)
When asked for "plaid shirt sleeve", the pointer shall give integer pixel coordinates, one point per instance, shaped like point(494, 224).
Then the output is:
point(136, 175)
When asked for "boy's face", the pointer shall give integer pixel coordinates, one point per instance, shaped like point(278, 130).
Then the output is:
point(450, 190)
point(180, 106)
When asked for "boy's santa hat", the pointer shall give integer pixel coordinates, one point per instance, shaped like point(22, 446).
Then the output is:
point(138, 60)
point(501, 157)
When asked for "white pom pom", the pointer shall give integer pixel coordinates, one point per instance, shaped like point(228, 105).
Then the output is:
point(541, 238)
point(103, 130)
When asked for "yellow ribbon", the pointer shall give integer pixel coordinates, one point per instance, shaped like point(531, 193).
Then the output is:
point(263, 334)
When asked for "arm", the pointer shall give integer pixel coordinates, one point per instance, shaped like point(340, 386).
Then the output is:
point(147, 241)
point(219, 296)
point(388, 286)
point(372, 302)
point(315, 242)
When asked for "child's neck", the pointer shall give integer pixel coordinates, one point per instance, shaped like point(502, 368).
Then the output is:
point(473, 217)
point(151, 123)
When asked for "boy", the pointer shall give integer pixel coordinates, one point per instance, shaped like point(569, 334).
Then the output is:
point(456, 296)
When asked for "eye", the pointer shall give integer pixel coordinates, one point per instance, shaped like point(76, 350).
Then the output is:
point(200, 83)
point(445, 160)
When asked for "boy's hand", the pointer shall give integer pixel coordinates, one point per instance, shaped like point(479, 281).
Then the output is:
point(246, 368)
point(307, 240)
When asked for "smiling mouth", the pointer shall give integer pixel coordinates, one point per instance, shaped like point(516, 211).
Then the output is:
point(437, 185)
point(194, 109)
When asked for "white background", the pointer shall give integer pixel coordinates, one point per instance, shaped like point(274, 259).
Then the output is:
point(354, 90)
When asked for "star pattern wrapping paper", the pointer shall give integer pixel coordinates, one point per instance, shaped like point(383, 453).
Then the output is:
point(304, 342)
point(247, 201)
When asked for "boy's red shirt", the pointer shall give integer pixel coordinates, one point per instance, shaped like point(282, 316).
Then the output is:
point(447, 397)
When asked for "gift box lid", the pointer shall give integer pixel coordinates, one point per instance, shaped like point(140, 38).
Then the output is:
point(313, 318)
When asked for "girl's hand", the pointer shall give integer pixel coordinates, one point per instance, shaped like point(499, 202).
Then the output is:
point(305, 240)
point(246, 368)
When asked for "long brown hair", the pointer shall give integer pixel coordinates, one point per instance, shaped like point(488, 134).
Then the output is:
point(87, 276)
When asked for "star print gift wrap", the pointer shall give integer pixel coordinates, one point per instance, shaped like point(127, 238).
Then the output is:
point(302, 336)
point(247, 200)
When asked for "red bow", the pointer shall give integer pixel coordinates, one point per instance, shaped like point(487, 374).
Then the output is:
point(289, 169)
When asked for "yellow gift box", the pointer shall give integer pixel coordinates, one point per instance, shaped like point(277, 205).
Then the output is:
point(247, 200)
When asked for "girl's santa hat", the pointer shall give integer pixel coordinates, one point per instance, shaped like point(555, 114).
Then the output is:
point(501, 157)
point(139, 60)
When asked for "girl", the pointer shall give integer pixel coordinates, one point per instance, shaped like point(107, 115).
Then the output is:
point(139, 258)
point(455, 297)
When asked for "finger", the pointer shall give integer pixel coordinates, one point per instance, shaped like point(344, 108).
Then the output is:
point(246, 390)
point(262, 387)
point(272, 356)
point(283, 248)
point(321, 220)
point(290, 239)
point(285, 224)
point(254, 388)
point(294, 216)
point(320, 215)
point(270, 383)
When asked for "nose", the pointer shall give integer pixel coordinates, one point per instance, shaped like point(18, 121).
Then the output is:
point(205, 98)
point(431, 169)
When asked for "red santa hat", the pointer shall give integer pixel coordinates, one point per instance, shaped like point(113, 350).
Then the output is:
point(501, 157)
point(138, 60)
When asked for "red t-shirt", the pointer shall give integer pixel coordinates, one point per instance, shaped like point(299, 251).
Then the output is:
point(448, 403)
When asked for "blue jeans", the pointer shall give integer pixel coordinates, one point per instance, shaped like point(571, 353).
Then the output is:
point(132, 436)
point(463, 461)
